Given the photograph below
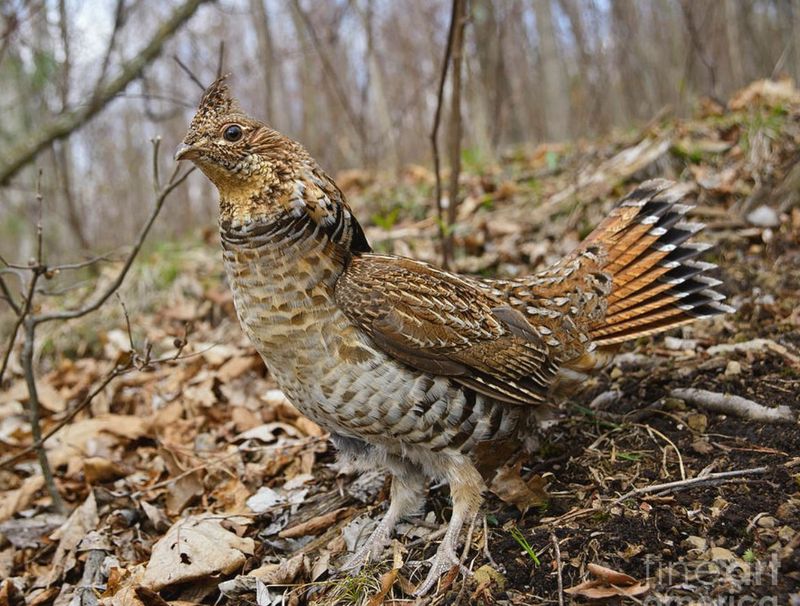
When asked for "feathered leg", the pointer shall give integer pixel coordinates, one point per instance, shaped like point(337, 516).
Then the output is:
point(406, 496)
point(466, 486)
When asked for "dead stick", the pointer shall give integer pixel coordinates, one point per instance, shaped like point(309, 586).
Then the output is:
point(437, 118)
point(557, 551)
point(712, 478)
point(735, 405)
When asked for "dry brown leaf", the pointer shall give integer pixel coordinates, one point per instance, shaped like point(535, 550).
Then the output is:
point(195, 548)
point(316, 525)
point(387, 580)
point(187, 486)
point(12, 501)
point(10, 595)
point(236, 367)
point(230, 496)
point(511, 488)
point(49, 397)
point(73, 438)
point(609, 583)
point(80, 522)
point(308, 427)
point(244, 418)
point(284, 573)
point(769, 92)
point(97, 470)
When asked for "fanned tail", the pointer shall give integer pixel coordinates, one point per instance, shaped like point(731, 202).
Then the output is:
point(657, 281)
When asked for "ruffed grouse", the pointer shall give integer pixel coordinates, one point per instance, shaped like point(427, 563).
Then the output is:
point(427, 373)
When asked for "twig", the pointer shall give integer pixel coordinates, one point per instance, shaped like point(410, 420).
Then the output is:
point(173, 182)
point(156, 141)
point(712, 478)
point(486, 552)
point(454, 143)
point(189, 72)
point(29, 323)
point(735, 405)
point(119, 19)
point(80, 264)
point(652, 430)
point(20, 319)
point(9, 297)
point(559, 565)
point(333, 79)
point(437, 118)
point(220, 58)
point(116, 372)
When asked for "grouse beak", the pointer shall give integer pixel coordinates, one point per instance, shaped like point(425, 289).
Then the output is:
point(186, 152)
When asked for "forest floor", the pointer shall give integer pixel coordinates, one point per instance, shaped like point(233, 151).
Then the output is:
point(190, 478)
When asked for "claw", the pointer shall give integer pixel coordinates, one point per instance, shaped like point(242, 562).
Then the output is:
point(371, 549)
point(443, 561)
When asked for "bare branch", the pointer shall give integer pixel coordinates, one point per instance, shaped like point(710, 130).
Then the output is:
point(119, 19)
point(437, 118)
point(189, 72)
point(220, 58)
point(33, 408)
point(173, 182)
point(334, 81)
point(63, 125)
point(731, 404)
point(156, 173)
point(9, 298)
point(26, 308)
point(117, 371)
point(454, 143)
point(702, 480)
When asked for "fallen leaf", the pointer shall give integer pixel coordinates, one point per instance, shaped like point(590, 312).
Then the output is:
point(511, 488)
point(284, 573)
point(12, 501)
point(80, 522)
point(264, 499)
point(267, 433)
point(486, 575)
point(97, 470)
point(236, 367)
point(609, 583)
point(10, 595)
point(387, 580)
point(72, 440)
point(195, 548)
point(316, 525)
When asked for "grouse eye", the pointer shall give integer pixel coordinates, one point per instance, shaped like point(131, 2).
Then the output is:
point(232, 133)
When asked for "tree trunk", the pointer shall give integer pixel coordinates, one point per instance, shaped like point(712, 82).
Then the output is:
point(266, 57)
point(555, 80)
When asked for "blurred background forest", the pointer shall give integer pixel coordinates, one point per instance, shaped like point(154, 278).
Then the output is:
point(85, 85)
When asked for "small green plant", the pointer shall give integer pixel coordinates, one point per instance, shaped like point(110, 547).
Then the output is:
point(629, 456)
point(749, 556)
point(356, 588)
point(387, 219)
point(517, 535)
point(552, 158)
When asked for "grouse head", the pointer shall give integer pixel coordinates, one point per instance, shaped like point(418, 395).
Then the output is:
point(263, 176)
point(239, 154)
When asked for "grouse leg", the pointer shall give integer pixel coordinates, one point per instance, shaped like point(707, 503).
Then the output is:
point(406, 496)
point(466, 486)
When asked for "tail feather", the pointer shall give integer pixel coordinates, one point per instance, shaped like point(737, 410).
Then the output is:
point(657, 281)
